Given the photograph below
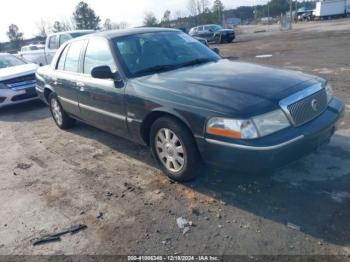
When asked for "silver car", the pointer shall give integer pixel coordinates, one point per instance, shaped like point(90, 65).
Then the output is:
point(17, 80)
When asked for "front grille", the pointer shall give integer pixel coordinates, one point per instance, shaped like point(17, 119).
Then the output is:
point(308, 108)
point(21, 82)
point(19, 79)
point(2, 99)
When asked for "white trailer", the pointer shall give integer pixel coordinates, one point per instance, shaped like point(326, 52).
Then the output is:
point(330, 8)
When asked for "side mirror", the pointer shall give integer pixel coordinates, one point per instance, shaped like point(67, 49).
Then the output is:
point(216, 50)
point(102, 72)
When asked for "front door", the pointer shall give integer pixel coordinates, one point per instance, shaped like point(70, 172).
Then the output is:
point(100, 100)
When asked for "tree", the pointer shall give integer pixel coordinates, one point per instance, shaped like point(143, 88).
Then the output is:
point(218, 11)
point(192, 7)
point(43, 28)
point(166, 18)
point(107, 25)
point(57, 27)
point(85, 17)
point(150, 20)
point(15, 36)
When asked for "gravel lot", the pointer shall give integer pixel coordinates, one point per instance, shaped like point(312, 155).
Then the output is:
point(51, 179)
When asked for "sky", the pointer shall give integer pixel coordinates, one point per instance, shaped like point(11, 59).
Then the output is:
point(28, 14)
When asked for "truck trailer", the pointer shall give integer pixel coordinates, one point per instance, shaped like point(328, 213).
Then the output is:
point(331, 8)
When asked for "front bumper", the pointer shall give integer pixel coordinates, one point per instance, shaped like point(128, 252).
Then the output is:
point(275, 150)
point(12, 97)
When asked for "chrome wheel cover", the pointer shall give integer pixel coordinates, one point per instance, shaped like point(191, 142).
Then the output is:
point(170, 150)
point(56, 111)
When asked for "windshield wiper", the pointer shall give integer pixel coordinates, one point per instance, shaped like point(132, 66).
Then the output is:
point(197, 62)
point(163, 68)
point(154, 69)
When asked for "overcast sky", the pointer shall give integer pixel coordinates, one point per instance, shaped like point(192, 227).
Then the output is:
point(27, 13)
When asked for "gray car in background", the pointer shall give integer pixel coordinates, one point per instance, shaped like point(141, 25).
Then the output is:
point(213, 33)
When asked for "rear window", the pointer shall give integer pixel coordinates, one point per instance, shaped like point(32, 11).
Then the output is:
point(62, 59)
point(53, 42)
point(72, 59)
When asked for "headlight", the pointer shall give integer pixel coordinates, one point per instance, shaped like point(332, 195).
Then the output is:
point(233, 128)
point(329, 91)
point(250, 128)
point(3, 86)
point(271, 122)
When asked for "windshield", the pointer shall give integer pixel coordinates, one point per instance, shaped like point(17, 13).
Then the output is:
point(215, 28)
point(9, 60)
point(148, 53)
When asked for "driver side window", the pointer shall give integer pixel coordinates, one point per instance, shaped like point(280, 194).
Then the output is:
point(98, 53)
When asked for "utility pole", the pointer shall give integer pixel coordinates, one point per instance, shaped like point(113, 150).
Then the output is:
point(290, 13)
point(268, 15)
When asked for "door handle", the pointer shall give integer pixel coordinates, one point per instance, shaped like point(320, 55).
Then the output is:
point(81, 86)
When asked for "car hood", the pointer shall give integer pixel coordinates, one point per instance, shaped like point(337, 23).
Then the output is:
point(17, 71)
point(227, 86)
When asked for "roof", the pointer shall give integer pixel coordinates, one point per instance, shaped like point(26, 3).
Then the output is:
point(73, 32)
point(131, 31)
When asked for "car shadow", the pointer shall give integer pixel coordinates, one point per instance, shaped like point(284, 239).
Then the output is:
point(310, 193)
point(122, 145)
point(29, 111)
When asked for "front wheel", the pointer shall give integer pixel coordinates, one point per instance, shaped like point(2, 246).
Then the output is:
point(62, 119)
point(174, 148)
point(218, 39)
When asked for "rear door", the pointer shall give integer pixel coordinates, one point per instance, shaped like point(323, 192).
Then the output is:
point(100, 100)
point(67, 76)
point(207, 33)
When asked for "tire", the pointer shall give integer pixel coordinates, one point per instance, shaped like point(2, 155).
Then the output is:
point(174, 148)
point(61, 118)
point(218, 39)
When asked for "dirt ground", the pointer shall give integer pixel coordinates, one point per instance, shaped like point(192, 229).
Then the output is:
point(51, 179)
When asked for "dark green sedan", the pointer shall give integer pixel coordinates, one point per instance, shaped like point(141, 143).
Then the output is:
point(162, 88)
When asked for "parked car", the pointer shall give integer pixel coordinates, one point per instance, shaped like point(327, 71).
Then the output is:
point(213, 33)
point(17, 80)
point(33, 54)
point(53, 42)
point(161, 88)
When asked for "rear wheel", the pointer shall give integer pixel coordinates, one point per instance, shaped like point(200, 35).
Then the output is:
point(62, 119)
point(174, 148)
point(218, 39)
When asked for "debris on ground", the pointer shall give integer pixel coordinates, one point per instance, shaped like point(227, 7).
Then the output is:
point(100, 215)
point(263, 56)
point(195, 211)
point(109, 194)
point(183, 224)
point(57, 236)
point(293, 226)
point(23, 166)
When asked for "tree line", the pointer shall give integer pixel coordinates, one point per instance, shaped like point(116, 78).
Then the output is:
point(198, 12)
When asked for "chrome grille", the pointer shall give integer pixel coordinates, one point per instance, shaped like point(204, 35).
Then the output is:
point(303, 111)
point(305, 105)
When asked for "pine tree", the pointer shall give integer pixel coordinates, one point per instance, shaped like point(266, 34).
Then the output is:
point(85, 17)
